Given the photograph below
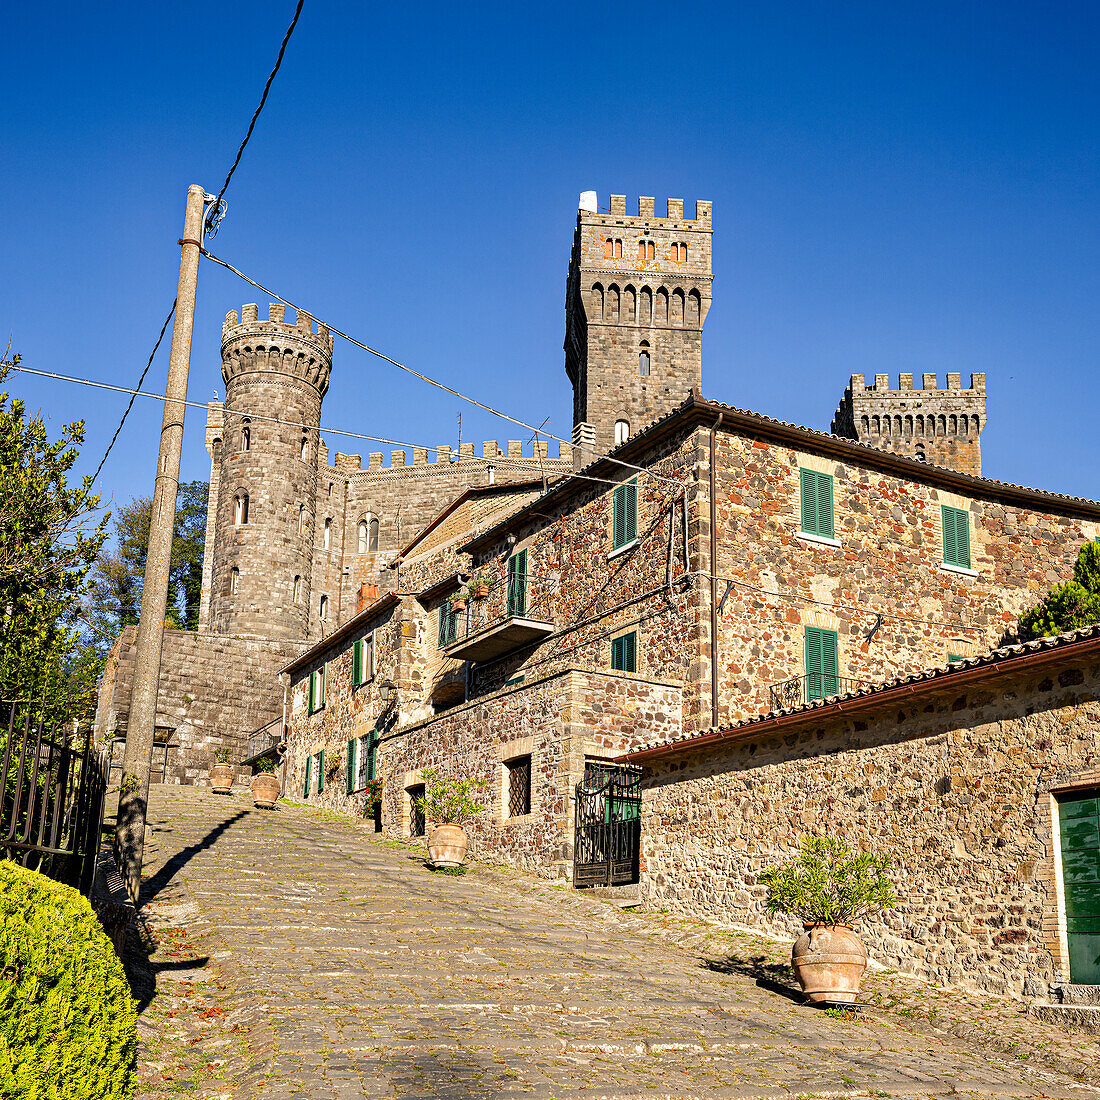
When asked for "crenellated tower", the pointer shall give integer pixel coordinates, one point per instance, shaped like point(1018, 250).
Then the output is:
point(265, 474)
point(942, 427)
point(637, 295)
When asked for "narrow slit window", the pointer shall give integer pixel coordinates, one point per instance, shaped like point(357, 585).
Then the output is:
point(246, 435)
point(643, 363)
point(622, 431)
point(235, 581)
point(298, 589)
point(240, 509)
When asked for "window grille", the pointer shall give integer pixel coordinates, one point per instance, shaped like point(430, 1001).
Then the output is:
point(519, 786)
point(416, 814)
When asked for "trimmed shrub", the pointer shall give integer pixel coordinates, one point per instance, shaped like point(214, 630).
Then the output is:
point(68, 1026)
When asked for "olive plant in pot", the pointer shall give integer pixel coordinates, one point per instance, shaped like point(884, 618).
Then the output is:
point(828, 886)
point(222, 771)
point(446, 803)
point(265, 784)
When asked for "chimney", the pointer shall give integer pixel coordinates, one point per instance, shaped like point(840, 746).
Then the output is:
point(368, 593)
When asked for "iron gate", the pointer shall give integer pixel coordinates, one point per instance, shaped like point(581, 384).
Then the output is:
point(608, 831)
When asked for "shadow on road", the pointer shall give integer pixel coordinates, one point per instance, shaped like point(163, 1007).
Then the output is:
point(774, 977)
point(153, 885)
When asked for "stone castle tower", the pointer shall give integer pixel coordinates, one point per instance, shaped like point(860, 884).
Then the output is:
point(942, 427)
point(260, 545)
point(637, 294)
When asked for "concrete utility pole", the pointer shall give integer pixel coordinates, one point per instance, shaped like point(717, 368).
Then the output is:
point(137, 760)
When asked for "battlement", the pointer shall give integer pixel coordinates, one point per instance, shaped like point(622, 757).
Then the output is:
point(588, 211)
point(444, 456)
point(247, 323)
point(881, 385)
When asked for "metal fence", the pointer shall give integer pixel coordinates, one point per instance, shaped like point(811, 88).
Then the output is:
point(805, 689)
point(52, 789)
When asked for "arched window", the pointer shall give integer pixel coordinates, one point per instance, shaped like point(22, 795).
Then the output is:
point(304, 453)
point(694, 309)
point(246, 435)
point(240, 509)
point(679, 253)
point(865, 424)
point(678, 307)
point(328, 533)
point(322, 609)
point(372, 541)
point(297, 589)
point(650, 250)
point(643, 363)
point(645, 306)
point(920, 424)
point(362, 536)
point(641, 250)
point(954, 424)
point(608, 248)
point(612, 302)
point(597, 300)
point(630, 300)
point(491, 471)
point(618, 249)
point(622, 431)
point(301, 518)
point(920, 456)
point(234, 580)
point(662, 306)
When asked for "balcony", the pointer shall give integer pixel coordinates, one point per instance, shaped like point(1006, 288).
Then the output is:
point(497, 624)
point(809, 688)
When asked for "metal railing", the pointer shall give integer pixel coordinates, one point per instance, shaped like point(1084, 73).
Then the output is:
point(807, 688)
point(265, 738)
point(52, 790)
point(508, 599)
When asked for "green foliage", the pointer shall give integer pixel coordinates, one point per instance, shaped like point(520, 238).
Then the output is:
point(222, 755)
point(449, 801)
point(1070, 605)
point(266, 766)
point(48, 541)
point(68, 1026)
point(829, 882)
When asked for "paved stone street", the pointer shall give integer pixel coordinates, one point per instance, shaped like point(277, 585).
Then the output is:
point(293, 954)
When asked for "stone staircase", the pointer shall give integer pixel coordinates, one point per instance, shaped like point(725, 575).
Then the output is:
point(1074, 1006)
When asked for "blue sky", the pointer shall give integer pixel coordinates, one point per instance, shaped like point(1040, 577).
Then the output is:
point(896, 188)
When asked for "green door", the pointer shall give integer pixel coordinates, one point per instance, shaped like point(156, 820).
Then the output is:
point(1079, 824)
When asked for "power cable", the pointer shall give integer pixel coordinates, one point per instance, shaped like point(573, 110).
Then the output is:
point(424, 377)
point(134, 392)
point(217, 210)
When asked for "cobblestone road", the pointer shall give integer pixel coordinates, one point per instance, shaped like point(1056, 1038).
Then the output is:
point(297, 955)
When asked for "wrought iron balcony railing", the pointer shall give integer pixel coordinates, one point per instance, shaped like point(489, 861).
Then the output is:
point(809, 687)
point(264, 739)
point(497, 623)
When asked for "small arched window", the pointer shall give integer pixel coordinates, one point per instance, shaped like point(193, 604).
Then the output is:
point(608, 248)
point(304, 453)
point(234, 581)
point(618, 249)
point(322, 609)
point(641, 250)
point(362, 536)
point(328, 533)
point(372, 541)
point(622, 431)
point(240, 509)
point(246, 435)
point(298, 589)
point(650, 250)
point(301, 518)
point(643, 363)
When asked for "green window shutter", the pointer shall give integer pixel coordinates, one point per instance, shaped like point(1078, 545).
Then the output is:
point(618, 523)
point(956, 536)
point(444, 611)
point(372, 755)
point(309, 773)
point(320, 771)
point(349, 766)
point(817, 503)
point(517, 584)
point(624, 653)
point(370, 657)
point(624, 526)
point(357, 662)
point(822, 673)
point(631, 532)
point(312, 703)
point(617, 654)
point(953, 657)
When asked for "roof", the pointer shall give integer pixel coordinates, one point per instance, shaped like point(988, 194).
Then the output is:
point(342, 633)
point(697, 410)
point(1059, 649)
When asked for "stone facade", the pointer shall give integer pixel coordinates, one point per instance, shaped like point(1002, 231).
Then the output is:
point(637, 294)
point(943, 427)
point(955, 777)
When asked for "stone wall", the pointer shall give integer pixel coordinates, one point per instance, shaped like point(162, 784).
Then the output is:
point(955, 785)
point(213, 692)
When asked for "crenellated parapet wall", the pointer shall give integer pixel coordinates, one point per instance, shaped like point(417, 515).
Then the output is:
point(275, 346)
point(939, 426)
point(529, 460)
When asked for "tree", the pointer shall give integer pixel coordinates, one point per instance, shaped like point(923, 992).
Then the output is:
point(120, 575)
point(48, 541)
point(1070, 605)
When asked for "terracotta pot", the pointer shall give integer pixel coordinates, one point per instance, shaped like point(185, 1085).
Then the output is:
point(458, 606)
point(481, 592)
point(829, 960)
point(221, 777)
point(265, 789)
point(447, 847)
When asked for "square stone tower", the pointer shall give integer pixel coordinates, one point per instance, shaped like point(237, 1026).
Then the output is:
point(637, 294)
point(943, 427)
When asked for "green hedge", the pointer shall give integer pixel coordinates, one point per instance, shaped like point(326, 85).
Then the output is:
point(68, 1026)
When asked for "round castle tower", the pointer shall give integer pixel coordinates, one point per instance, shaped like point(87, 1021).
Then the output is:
point(276, 374)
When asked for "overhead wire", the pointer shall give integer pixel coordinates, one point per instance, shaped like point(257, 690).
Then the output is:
point(424, 377)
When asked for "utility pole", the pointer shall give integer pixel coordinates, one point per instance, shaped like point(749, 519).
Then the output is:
point(137, 760)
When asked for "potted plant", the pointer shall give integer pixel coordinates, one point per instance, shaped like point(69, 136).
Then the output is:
point(828, 886)
point(458, 603)
point(372, 808)
point(265, 784)
point(222, 772)
point(479, 588)
point(447, 803)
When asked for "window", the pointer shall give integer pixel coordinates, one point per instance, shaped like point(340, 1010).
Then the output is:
point(817, 503)
point(608, 248)
point(362, 661)
point(517, 584)
point(351, 766)
point(956, 537)
point(317, 680)
point(320, 771)
point(643, 363)
point(519, 786)
point(298, 589)
point(491, 472)
point(328, 534)
point(622, 431)
point(679, 253)
point(370, 756)
point(362, 536)
point(822, 675)
point(301, 518)
point(304, 452)
point(240, 509)
point(322, 608)
point(235, 580)
point(624, 653)
point(246, 435)
point(372, 538)
point(650, 250)
point(448, 625)
point(416, 812)
point(624, 527)
point(618, 249)
point(309, 776)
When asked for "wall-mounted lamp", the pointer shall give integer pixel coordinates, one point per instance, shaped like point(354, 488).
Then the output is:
point(387, 692)
point(511, 540)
